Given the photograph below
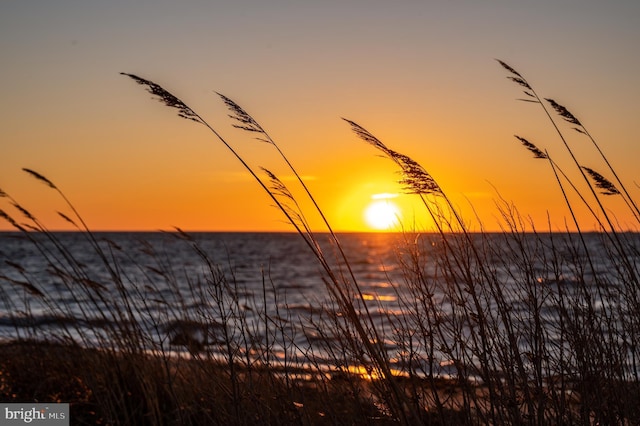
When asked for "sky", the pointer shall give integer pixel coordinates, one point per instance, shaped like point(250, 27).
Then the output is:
point(420, 75)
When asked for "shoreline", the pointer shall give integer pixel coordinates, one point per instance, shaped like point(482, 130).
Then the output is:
point(89, 380)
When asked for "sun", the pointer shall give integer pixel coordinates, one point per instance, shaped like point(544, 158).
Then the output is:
point(382, 215)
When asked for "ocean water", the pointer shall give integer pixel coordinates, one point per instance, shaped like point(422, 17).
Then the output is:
point(185, 295)
point(50, 283)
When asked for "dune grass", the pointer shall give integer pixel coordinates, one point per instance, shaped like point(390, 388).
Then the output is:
point(525, 326)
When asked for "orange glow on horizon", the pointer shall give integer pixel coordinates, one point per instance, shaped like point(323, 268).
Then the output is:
point(203, 200)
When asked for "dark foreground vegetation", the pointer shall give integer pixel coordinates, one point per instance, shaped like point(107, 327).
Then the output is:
point(116, 388)
point(527, 327)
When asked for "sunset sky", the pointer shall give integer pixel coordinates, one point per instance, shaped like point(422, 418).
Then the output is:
point(420, 75)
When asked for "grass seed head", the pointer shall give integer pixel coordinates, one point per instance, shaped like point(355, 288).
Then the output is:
point(40, 177)
point(166, 98)
point(564, 112)
point(601, 182)
point(537, 153)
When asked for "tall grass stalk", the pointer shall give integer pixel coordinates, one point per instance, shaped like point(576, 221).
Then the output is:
point(532, 96)
point(336, 283)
